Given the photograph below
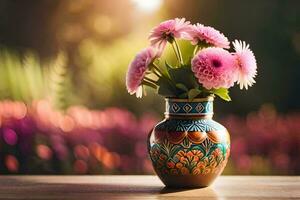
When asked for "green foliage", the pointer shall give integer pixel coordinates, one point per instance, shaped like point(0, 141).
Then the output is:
point(21, 77)
point(165, 88)
point(223, 93)
point(181, 83)
point(58, 81)
point(193, 93)
point(26, 79)
point(183, 75)
point(182, 87)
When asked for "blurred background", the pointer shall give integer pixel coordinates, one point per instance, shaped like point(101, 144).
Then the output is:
point(64, 108)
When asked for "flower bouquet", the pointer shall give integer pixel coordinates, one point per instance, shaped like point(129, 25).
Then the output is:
point(189, 148)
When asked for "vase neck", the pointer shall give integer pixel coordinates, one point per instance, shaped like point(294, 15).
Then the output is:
point(183, 108)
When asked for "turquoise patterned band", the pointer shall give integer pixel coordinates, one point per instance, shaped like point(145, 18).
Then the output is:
point(194, 108)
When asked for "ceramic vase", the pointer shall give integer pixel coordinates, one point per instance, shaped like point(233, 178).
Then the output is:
point(188, 148)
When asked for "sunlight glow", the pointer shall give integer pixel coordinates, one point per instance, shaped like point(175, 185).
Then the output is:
point(147, 5)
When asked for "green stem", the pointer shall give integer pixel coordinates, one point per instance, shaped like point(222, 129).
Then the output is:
point(196, 49)
point(179, 52)
point(156, 68)
point(150, 84)
point(176, 52)
point(164, 75)
point(149, 80)
point(156, 73)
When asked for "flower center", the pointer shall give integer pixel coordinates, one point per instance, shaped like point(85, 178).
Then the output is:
point(216, 63)
point(169, 36)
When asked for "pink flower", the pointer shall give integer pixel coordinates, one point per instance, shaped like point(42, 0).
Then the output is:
point(137, 70)
point(168, 30)
point(200, 33)
point(215, 68)
point(246, 62)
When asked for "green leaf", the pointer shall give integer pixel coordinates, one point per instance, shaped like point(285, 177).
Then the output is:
point(183, 95)
point(223, 93)
point(183, 75)
point(193, 93)
point(182, 87)
point(165, 88)
point(165, 91)
point(149, 84)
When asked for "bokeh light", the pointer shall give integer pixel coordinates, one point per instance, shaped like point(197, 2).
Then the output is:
point(147, 5)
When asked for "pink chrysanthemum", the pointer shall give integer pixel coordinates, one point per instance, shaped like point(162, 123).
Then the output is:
point(215, 68)
point(246, 62)
point(168, 30)
point(209, 35)
point(137, 70)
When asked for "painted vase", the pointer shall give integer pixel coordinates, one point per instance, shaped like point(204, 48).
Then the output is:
point(188, 148)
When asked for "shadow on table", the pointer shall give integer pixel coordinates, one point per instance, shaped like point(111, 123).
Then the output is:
point(204, 193)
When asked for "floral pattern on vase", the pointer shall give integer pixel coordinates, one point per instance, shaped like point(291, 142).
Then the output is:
point(196, 159)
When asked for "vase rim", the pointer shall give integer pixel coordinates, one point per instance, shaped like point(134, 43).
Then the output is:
point(175, 99)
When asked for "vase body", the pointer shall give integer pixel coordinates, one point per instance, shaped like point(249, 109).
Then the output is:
point(188, 148)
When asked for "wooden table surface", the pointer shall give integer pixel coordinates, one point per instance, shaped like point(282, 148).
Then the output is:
point(145, 187)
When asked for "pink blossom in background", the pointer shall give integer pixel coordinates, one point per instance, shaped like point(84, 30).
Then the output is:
point(247, 68)
point(263, 142)
point(10, 136)
point(80, 167)
point(137, 70)
point(11, 163)
point(200, 33)
point(81, 152)
point(168, 30)
point(44, 152)
point(98, 141)
point(215, 68)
